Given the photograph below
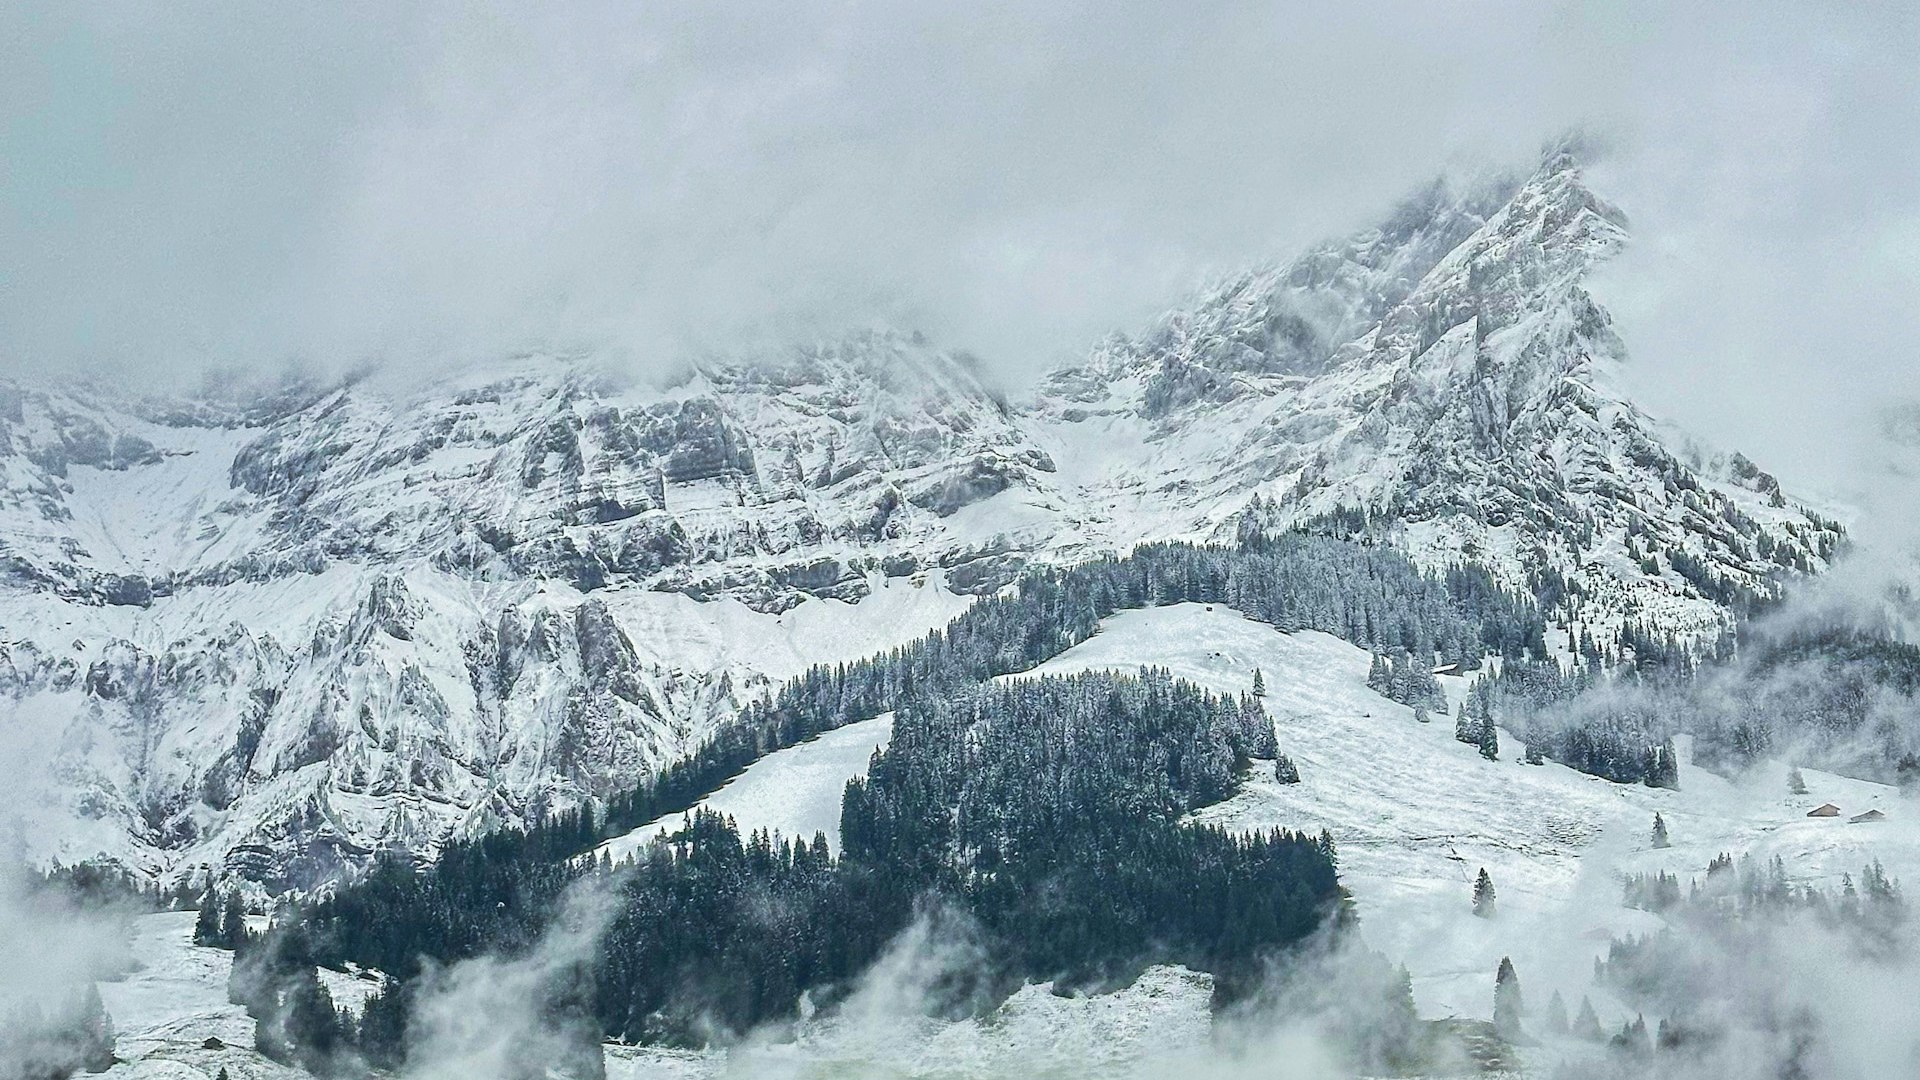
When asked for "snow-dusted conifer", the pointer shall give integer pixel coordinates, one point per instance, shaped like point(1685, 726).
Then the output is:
point(206, 925)
point(1508, 1004)
point(1464, 728)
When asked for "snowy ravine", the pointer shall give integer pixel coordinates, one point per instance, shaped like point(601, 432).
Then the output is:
point(262, 632)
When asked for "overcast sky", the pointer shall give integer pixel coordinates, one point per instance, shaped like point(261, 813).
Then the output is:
point(240, 184)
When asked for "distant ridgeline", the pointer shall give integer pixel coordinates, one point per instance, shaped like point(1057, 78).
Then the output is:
point(1043, 814)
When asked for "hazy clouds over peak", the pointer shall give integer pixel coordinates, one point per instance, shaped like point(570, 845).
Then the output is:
point(241, 184)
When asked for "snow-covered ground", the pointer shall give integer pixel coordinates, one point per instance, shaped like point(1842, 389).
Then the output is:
point(795, 792)
point(174, 1002)
point(1414, 813)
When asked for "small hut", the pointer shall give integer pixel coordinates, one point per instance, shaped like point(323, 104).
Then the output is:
point(1827, 810)
point(1871, 815)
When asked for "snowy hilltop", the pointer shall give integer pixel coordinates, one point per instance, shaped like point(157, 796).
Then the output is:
point(266, 635)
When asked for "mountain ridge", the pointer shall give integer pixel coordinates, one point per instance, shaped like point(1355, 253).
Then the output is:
point(271, 639)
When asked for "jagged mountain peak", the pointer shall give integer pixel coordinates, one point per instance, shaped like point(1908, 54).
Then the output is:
point(1303, 317)
point(1446, 381)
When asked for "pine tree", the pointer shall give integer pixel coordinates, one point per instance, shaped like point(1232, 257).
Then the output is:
point(1464, 728)
point(1508, 1004)
point(1285, 771)
point(1660, 831)
point(206, 925)
point(1489, 741)
point(1587, 1024)
point(1483, 894)
point(383, 1027)
point(1557, 1014)
point(233, 921)
point(312, 1024)
point(1796, 784)
point(1420, 715)
point(1259, 683)
point(1379, 678)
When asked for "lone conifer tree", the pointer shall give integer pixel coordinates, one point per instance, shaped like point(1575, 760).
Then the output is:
point(1796, 784)
point(1259, 683)
point(1587, 1024)
point(1508, 1005)
point(1660, 831)
point(1483, 894)
point(233, 921)
point(206, 925)
point(1489, 741)
point(1285, 771)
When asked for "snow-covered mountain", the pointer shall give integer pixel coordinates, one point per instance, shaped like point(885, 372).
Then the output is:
point(270, 633)
point(1447, 378)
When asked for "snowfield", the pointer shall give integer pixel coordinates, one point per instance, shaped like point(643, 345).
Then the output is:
point(794, 792)
point(174, 1002)
point(1414, 813)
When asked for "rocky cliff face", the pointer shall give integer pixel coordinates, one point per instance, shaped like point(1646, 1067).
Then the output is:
point(1446, 382)
point(267, 634)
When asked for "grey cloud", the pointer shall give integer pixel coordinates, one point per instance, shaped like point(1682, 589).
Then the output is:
point(240, 186)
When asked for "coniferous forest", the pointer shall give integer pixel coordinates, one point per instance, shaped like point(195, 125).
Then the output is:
point(1043, 813)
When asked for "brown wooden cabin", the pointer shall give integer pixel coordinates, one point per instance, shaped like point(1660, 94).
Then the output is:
point(1828, 810)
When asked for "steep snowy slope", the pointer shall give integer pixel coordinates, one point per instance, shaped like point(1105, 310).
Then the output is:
point(269, 632)
point(794, 792)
